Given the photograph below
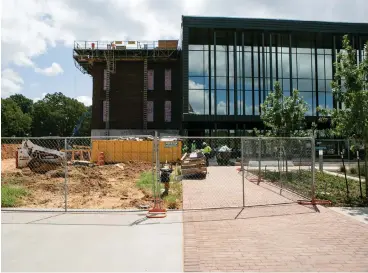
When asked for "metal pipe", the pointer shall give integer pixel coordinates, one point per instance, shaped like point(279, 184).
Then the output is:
point(157, 166)
point(360, 181)
point(259, 160)
point(313, 168)
point(346, 180)
point(66, 177)
point(242, 168)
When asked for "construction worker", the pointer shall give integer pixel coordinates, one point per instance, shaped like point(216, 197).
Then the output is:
point(185, 149)
point(194, 147)
point(206, 149)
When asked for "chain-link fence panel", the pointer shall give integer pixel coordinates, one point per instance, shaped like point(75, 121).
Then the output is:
point(283, 166)
point(33, 173)
point(110, 172)
point(208, 171)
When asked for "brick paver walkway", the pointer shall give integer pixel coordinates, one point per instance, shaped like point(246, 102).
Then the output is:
point(286, 237)
point(223, 188)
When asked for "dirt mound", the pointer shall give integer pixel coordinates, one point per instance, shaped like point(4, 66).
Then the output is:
point(109, 186)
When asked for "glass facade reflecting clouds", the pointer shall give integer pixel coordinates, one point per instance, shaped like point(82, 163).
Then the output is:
point(231, 72)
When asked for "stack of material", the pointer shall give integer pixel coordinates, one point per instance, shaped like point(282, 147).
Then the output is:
point(194, 164)
point(223, 156)
point(138, 138)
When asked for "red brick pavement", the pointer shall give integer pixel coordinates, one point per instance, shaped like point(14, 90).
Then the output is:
point(267, 238)
point(223, 188)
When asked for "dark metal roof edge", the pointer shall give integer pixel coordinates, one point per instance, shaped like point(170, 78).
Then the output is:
point(263, 23)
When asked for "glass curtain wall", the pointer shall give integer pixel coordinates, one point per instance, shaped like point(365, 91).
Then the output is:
point(233, 73)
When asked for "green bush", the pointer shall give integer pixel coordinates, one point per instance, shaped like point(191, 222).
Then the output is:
point(342, 169)
point(11, 195)
point(353, 170)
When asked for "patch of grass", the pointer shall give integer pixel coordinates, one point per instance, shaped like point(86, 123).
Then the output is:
point(173, 200)
point(11, 195)
point(328, 187)
point(145, 182)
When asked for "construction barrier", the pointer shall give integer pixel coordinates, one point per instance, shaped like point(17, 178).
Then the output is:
point(116, 151)
point(9, 150)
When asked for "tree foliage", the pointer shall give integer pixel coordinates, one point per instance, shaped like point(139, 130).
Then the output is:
point(350, 88)
point(13, 121)
point(54, 115)
point(285, 116)
point(25, 104)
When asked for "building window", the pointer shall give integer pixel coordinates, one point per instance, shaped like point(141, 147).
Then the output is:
point(167, 79)
point(151, 76)
point(150, 111)
point(167, 111)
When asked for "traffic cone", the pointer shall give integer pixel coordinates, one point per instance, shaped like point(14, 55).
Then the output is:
point(101, 159)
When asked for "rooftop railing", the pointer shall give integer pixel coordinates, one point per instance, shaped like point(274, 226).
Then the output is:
point(127, 45)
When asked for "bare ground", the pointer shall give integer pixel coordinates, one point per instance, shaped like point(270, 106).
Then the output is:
point(99, 187)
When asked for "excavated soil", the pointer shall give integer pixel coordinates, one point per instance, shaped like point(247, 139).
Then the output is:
point(98, 187)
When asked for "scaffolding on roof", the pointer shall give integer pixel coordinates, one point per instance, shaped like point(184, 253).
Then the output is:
point(86, 53)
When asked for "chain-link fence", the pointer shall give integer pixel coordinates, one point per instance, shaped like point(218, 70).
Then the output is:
point(76, 173)
point(131, 172)
point(33, 172)
point(280, 165)
point(209, 174)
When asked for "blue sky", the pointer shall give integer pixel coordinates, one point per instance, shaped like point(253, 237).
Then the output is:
point(70, 82)
point(37, 35)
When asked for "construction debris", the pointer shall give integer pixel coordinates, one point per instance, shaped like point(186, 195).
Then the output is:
point(194, 164)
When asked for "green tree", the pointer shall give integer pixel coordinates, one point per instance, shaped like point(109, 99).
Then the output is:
point(13, 121)
point(56, 115)
point(350, 88)
point(285, 116)
point(24, 103)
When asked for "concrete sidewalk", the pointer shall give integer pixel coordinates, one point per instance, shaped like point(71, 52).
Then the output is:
point(38, 241)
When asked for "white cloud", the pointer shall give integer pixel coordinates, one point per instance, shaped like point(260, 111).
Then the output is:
point(53, 70)
point(11, 82)
point(21, 59)
point(87, 101)
point(199, 100)
point(30, 28)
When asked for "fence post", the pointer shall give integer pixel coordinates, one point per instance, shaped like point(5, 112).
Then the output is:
point(259, 159)
point(66, 177)
point(242, 167)
point(349, 152)
point(157, 182)
point(313, 168)
point(153, 171)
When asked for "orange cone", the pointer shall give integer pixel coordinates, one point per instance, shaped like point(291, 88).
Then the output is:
point(101, 159)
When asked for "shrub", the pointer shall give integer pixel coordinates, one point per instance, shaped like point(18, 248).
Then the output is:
point(342, 169)
point(353, 170)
